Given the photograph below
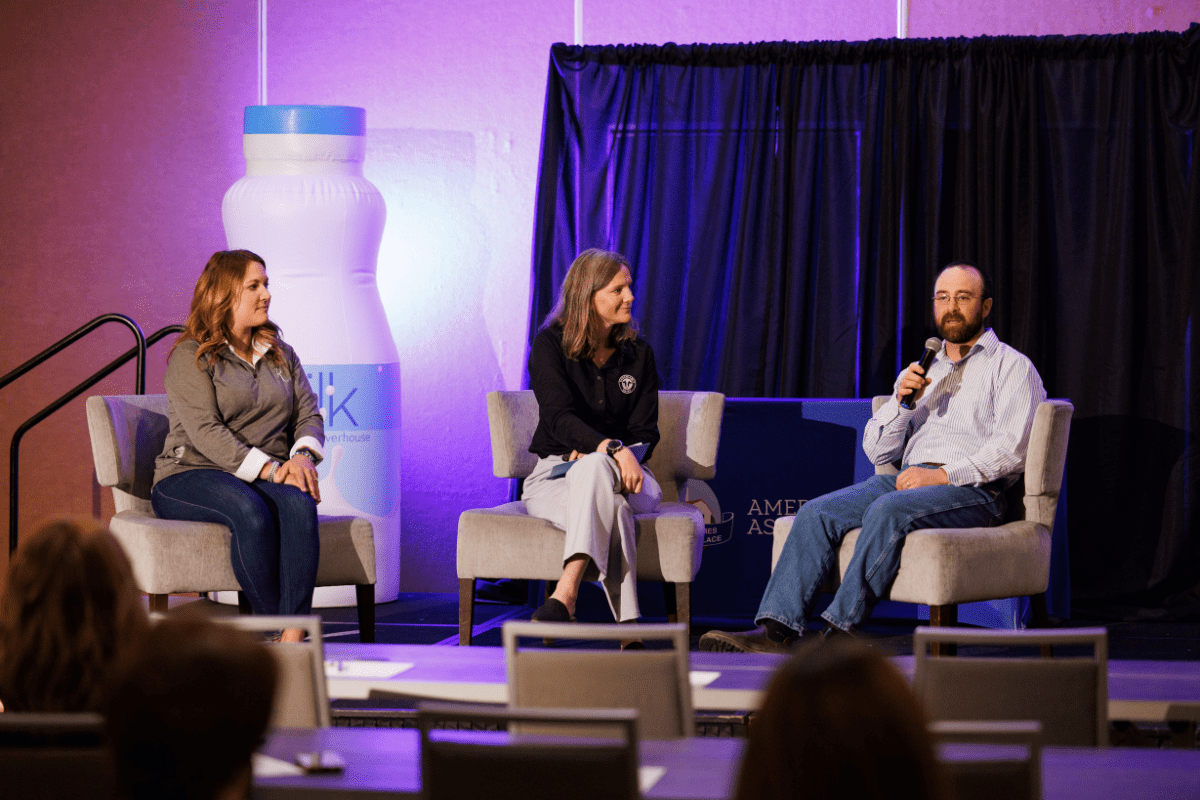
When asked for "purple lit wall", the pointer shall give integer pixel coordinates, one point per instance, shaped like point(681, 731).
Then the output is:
point(122, 131)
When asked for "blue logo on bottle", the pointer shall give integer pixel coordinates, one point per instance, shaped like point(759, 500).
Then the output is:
point(361, 407)
point(357, 396)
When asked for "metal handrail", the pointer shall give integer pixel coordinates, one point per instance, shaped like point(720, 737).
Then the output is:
point(78, 334)
point(138, 351)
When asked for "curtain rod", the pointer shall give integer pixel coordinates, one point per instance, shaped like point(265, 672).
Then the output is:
point(262, 52)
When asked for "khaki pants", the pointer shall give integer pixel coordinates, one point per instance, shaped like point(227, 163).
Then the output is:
point(597, 518)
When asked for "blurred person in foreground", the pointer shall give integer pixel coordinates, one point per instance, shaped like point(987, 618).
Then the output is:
point(69, 608)
point(187, 711)
point(839, 721)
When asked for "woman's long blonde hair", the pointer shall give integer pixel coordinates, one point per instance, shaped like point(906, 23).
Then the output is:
point(210, 319)
point(575, 312)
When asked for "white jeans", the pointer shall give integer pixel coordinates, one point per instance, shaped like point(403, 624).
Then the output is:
point(587, 503)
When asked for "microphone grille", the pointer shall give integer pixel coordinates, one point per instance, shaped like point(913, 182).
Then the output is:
point(933, 343)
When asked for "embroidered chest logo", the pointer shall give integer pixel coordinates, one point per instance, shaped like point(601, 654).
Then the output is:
point(627, 384)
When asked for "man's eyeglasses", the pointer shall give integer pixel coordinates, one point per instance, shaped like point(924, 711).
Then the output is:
point(960, 299)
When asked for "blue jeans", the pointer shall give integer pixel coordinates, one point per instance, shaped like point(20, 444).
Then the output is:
point(886, 516)
point(275, 545)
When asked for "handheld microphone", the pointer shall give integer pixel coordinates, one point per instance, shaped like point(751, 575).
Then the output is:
point(932, 345)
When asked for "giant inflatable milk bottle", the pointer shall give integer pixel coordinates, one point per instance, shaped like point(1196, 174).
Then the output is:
point(305, 207)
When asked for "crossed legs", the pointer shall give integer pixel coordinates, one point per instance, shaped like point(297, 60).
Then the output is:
point(598, 521)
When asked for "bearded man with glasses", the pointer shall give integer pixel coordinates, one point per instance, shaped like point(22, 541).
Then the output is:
point(961, 438)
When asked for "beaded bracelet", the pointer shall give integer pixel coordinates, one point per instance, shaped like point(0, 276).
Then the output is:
point(309, 454)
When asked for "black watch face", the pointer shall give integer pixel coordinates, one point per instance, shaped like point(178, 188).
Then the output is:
point(614, 446)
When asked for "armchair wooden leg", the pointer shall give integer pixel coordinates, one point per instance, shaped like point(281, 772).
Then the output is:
point(678, 597)
point(365, 595)
point(158, 603)
point(669, 590)
point(683, 604)
point(944, 617)
point(466, 610)
point(1040, 618)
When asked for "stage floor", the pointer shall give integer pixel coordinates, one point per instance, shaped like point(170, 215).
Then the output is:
point(432, 618)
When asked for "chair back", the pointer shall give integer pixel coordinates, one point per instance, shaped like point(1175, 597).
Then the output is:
point(1068, 695)
point(1045, 461)
point(511, 766)
point(992, 760)
point(1034, 496)
point(44, 756)
point(302, 695)
point(128, 432)
point(689, 424)
point(656, 683)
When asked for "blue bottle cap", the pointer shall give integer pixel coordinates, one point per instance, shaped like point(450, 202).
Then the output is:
point(337, 120)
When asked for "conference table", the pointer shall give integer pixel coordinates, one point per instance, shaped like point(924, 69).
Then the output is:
point(720, 681)
point(385, 763)
point(1138, 691)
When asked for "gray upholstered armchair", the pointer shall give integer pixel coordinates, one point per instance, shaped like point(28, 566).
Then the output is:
point(175, 557)
point(505, 542)
point(944, 567)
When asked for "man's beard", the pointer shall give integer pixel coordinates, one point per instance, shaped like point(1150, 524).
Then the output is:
point(963, 332)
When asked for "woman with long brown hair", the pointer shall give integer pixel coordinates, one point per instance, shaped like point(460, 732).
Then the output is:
point(838, 720)
point(69, 608)
point(187, 710)
point(597, 390)
point(245, 437)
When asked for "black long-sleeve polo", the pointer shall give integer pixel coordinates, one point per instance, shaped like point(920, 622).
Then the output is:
point(580, 405)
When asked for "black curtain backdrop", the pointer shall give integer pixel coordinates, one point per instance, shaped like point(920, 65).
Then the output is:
point(787, 207)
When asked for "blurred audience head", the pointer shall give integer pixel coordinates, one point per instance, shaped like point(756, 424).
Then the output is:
point(839, 721)
point(187, 711)
point(69, 608)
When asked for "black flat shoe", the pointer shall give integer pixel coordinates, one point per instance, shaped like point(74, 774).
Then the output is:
point(634, 645)
point(552, 611)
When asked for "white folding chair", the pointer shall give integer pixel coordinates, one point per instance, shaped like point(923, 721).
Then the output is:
point(1067, 694)
point(1007, 767)
point(524, 766)
point(302, 696)
point(654, 682)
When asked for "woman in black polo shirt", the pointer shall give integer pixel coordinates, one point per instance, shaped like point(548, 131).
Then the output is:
point(597, 391)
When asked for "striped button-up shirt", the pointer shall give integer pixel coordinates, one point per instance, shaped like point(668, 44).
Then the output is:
point(974, 417)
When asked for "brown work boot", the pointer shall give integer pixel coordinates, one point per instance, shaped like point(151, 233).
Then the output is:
point(755, 641)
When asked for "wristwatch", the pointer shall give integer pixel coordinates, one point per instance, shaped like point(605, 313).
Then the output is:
point(613, 447)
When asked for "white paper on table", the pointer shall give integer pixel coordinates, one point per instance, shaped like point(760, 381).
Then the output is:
point(271, 767)
point(648, 776)
point(700, 677)
point(365, 669)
